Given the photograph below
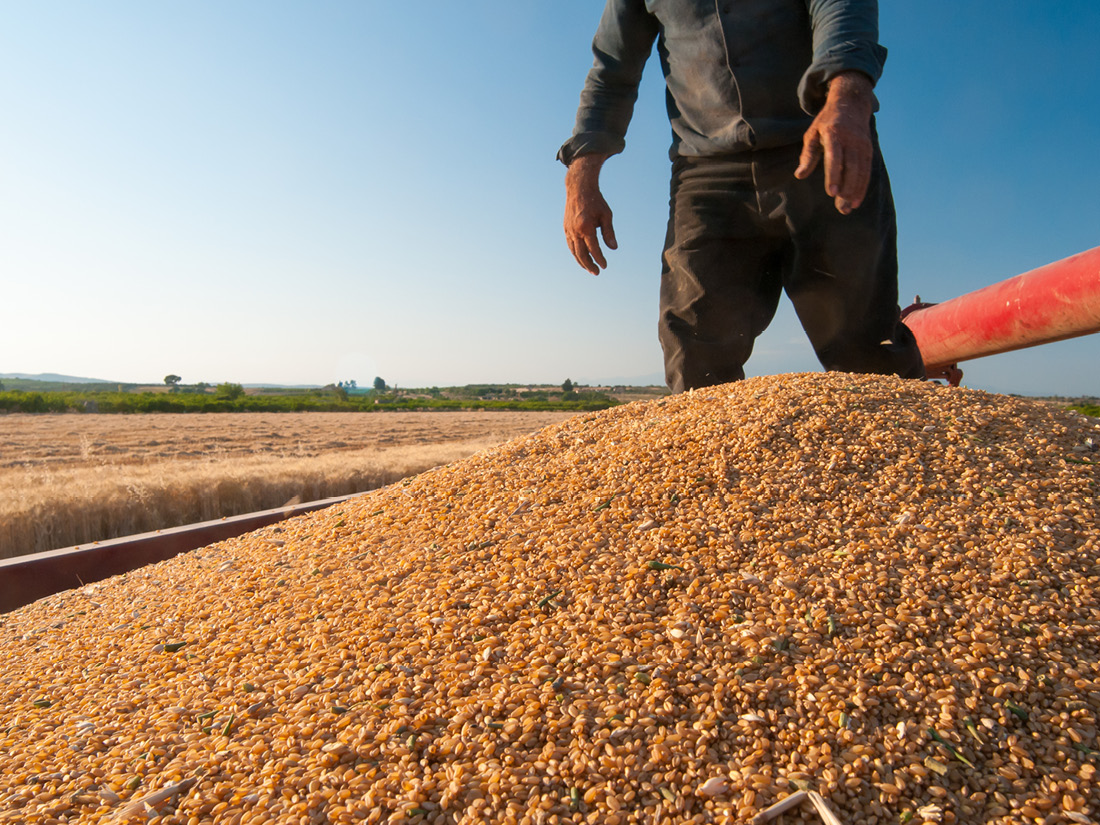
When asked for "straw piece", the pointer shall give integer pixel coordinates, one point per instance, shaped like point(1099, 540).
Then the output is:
point(823, 809)
point(154, 799)
point(783, 805)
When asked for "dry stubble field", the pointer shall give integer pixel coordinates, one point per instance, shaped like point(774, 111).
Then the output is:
point(72, 479)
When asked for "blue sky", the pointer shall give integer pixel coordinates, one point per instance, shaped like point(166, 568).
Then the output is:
point(310, 192)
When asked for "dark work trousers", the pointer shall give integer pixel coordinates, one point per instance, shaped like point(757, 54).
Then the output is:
point(742, 229)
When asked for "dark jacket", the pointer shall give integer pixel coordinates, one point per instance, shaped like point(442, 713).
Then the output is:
point(740, 74)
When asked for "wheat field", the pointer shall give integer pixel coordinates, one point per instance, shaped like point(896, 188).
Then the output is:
point(72, 479)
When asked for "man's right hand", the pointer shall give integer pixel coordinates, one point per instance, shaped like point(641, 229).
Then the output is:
point(586, 211)
point(841, 133)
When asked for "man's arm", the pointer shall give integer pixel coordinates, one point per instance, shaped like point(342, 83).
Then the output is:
point(586, 211)
point(841, 133)
point(837, 89)
point(621, 47)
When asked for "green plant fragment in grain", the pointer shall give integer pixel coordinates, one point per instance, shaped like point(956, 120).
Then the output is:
point(175, 647)
point(951, 748)
point(973, 730)
point(660, 565)
point(1016, 710)
point(41, 703)
point(545, 600)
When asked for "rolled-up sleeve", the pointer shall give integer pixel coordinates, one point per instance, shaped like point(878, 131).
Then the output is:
point(845, 38)
point(623, 42)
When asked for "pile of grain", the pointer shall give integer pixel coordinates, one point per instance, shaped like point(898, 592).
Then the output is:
point(676, 611)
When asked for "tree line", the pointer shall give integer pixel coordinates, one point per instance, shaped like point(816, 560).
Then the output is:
point(232, 398)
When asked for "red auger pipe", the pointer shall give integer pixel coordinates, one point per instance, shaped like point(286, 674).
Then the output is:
point(1054, 302)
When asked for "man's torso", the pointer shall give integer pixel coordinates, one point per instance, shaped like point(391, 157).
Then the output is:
point(732, 68)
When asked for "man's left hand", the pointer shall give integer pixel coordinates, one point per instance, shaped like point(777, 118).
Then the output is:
point(842, 133)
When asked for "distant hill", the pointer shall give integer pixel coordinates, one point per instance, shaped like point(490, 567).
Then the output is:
point(54, 378)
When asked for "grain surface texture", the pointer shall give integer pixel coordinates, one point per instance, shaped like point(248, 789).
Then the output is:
point(686, 610)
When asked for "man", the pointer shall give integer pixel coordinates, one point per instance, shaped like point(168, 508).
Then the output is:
point(777, 179)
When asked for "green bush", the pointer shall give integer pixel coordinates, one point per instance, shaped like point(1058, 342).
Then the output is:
point(229, 390)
